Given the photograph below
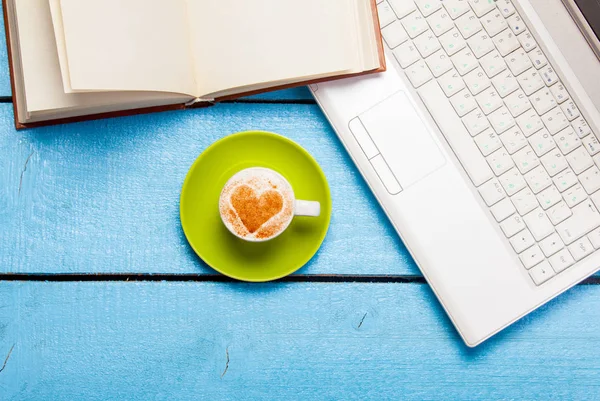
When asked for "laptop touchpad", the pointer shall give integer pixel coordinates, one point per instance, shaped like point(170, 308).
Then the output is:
point(397, 142)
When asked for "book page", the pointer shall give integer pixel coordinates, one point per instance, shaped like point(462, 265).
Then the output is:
point(40, 72)
point(240, 43)
point(128, 45)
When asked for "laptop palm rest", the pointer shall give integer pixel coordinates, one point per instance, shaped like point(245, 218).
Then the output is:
point(397, 142)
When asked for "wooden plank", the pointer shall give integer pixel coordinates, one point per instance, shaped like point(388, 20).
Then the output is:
point(141, 341)
point(103, 196)
point(5, 89)
point(288, 95)
point(301, 93)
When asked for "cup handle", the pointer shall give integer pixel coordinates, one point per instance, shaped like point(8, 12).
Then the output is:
point(307, 208)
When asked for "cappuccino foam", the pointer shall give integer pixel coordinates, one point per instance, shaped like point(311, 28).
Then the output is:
point(256, 204)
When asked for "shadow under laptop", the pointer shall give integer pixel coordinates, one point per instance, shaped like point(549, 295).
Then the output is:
point(551, 321)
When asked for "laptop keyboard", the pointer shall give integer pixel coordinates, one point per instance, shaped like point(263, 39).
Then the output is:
point(509, 120)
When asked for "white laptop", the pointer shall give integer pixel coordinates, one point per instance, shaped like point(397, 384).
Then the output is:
point(481, 144)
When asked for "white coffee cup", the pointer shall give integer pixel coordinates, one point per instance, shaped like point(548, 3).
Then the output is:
point(249, 199)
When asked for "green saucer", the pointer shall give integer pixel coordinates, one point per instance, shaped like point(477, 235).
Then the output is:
point(208, 236)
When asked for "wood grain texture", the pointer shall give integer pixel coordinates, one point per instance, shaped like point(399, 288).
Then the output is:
point(207, 341)
point(5, 89)
point(103, 196)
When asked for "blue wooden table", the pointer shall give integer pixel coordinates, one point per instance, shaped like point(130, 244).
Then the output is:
point(102, 298)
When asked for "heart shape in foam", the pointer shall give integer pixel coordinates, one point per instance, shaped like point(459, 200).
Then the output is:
point(255, 210)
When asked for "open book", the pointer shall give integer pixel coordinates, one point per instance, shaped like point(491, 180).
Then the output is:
point(81, 59)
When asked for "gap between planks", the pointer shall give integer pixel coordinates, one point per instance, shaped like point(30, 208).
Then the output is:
point(148, 277)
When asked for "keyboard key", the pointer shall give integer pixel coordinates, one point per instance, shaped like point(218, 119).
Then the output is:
point(590, 179)
point(506, 8)
point(543, 101)
point(505, 83)
point(512, 225)
point(517, 103)
point(402, 7)
point(531, 81)
point(530, 123)
point(494, 23)
point(527, 41)
point(489, 101)
point(480, 44)
point(452, 42)
point(522, 241)
point(492, 192)
point(456, 8)
point(482, 7)
point(488, 142)
point(516, 24)
point(513, 140)
point(427, 43)
point(414, 24)
point(439, 63)
point(502, 210)
point(549, 76)
point(506, 42)
point(475, 122)
point(549, 197)
point(559, 213)
point(440, 22)
point(570, 110)
point(555, 120)
point(542, 142)
point(591, 144)
point(455, 133)
point(531, 257)
point(552, 244)
point(463, 102)
point(565, 180)
point(451, 83)
point(538, 179)
point(476, 81)
point(585, 218)
point(464, 61)
point(493, 64)
point(525, 160)
point(560, 92)
point(596, 199)
point(525, 201)
point(567, 140)
point(581, 248)
point(561, 261)
point(581, 127)
point(575, 195)
point(428, 7)
point(406, 54)
point(554, 163)
point(501, 120)
point(594, 238)
point(512, 181)
point(468, 25)
point(580, 160)
point(538, 58)
point(418, 73)
point(394, 35)
point(541, 273)
point(386, 15)
point(518, 62)
point(539, 224)
point(500, 162)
